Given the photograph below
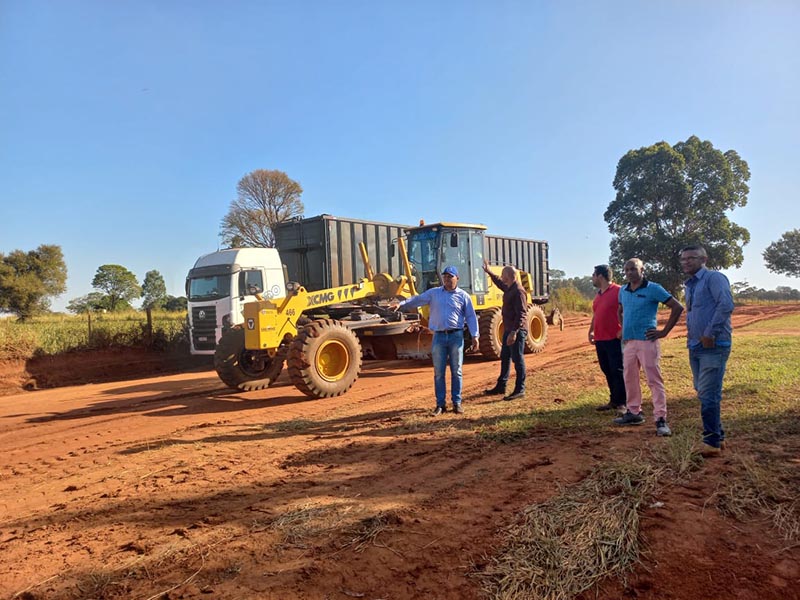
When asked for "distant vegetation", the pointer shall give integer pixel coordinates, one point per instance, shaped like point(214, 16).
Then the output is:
point(53, 334)
point(575, 294)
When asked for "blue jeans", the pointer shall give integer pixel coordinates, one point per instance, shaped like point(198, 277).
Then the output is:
point(447, 349)
point(513, 353)
point(708, 370)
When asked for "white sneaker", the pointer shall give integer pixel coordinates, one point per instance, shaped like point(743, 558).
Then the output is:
point(662, 428)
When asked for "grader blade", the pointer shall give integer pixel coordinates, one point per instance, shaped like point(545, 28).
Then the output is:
point(415, 345)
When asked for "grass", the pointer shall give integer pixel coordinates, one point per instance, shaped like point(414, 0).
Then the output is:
point(590, 531)
point(562, 547)
point(54, 334)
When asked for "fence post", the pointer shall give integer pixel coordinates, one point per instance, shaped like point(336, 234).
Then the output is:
point(89, 339)
point(149, 333)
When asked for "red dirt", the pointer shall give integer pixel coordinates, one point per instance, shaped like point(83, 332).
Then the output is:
point(172, 487)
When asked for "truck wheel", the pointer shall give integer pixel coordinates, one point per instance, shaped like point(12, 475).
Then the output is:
point(235, 365)
point(490, 325)
point(324, 359)
point(537, 330)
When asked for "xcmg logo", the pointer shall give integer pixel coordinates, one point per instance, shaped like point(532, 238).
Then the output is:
point(320, 298)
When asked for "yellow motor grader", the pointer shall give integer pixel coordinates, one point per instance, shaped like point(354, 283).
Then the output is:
point(322, 335)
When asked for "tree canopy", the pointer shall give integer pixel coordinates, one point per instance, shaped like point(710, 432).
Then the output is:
point(176, 304)
point(118, 284)
point(669, 197)
point(264, 199)
point(783, 256)
point(154, 290)
point(29, 279)
point(92, 301)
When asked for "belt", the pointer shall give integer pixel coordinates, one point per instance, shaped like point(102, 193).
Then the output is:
point(448, 330)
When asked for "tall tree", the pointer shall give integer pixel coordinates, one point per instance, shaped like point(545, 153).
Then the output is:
point(118, 284)
point(783, 256)
point(264, 199)
point(29, 279)
point(154, 290)
point(671, 196)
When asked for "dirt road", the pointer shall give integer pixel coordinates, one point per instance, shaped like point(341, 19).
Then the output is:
point(176, 485)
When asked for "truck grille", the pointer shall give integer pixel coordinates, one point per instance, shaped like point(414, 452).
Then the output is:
point(203, 328)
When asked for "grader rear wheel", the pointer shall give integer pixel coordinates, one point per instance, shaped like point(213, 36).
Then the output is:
point(238, 367)
point(537, 330)
point(490, 325)
point(324, 359)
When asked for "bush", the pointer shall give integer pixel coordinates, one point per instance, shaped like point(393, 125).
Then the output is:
point(571, 299)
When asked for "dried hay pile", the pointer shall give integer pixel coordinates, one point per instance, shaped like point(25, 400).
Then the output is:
point(565, 545)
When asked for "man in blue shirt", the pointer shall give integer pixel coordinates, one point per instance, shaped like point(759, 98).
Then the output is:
point(451, 308)
point(638, 312)
point(709, 304)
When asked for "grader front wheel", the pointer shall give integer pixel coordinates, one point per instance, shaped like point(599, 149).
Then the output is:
point(238, 367)
point(324, 359)
point(537, 330)
point(490, 325)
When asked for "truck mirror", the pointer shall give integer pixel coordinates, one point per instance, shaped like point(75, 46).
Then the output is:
point(391, 250)
point(454, 240)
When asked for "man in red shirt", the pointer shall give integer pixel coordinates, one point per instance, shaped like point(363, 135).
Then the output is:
point(604, 333)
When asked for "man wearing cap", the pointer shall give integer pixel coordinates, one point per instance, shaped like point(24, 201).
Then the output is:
point(515, 330)
point(451, 308)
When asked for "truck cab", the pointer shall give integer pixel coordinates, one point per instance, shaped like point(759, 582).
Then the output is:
point(219, 285)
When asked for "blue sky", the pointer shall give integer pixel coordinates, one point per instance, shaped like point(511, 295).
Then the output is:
point(125, 126)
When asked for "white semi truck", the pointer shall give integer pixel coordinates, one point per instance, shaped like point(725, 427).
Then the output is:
point(219, 285)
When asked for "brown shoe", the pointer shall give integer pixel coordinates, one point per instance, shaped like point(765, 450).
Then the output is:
point(709, 451)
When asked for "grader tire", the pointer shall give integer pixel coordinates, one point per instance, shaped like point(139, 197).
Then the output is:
point(237, 366)
point(324, 359)
point(537, 330)
point(490, 325)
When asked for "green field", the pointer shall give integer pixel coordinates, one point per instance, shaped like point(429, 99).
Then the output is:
point(54, 334)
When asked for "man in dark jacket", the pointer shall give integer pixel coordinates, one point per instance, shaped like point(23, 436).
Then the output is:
point(515, 330)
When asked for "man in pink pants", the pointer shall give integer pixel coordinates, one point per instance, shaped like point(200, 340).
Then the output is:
point(638, 309)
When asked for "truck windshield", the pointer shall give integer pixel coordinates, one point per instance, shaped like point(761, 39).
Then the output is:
point(213, 287)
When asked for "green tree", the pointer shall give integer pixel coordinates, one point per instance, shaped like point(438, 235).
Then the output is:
point(783, 256)
point(90, 302)
point(118, 284)
point(154, 290)
point(671, 196)
point(174, 304)
point(29, 279)
point(264, 199)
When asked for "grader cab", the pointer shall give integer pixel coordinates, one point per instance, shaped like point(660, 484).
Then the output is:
point(432, 247)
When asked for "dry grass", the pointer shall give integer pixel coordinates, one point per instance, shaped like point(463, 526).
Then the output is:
point(756, 489)
point(309, 520)
point(367, 531)
point(564, 546)
point(680, 454)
